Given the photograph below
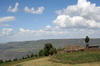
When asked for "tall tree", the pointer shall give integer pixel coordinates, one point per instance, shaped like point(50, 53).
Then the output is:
point(87, 39)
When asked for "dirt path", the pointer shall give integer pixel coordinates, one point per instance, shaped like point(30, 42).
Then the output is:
point(46, 62)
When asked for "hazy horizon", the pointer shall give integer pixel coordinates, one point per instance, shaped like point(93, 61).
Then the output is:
point(45, 39)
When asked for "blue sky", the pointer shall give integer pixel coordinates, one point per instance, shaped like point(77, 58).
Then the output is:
point(32, 20)
point(22, 20)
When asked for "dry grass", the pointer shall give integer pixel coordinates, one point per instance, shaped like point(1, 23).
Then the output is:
point(46, 62)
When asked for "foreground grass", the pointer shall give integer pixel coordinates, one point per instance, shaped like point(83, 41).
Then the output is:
point(46, 62)
point(19, 61)
point(78, 57)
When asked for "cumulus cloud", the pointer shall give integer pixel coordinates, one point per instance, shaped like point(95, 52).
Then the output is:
point(6, 19)
point(82, 19)
point(82, 15)
point(66, 21)
point(33, 11)
point(41, 32)
point(15, 9)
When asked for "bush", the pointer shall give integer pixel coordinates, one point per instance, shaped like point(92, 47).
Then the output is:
point(36, 55)
point(15, 59)
point(47, 50)
point(53, 51)
point(1, 61)
point(42, 52)
point(32, 55)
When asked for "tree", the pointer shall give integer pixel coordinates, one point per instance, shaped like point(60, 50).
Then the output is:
point(35, 55)
point(48, 46)
point(87, 41)
point(42, 52)
point(23, 57)
point(1, 61)
point(47, 50)
point(28, 56)
point(15, 59)
point(32, 55)
point(53, 51)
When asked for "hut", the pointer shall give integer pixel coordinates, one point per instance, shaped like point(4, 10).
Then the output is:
point(73, 48)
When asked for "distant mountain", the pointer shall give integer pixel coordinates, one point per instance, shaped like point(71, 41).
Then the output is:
point(13, 50)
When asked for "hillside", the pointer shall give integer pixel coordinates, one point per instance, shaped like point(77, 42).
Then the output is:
point(13, 50)
point(46, 62)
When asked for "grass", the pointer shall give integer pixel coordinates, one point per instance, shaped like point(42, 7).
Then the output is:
point(66, 59)
point(19, 61)
point(47, 62)
point(78, 57)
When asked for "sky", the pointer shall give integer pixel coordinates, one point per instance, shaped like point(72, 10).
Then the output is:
point(24, 20)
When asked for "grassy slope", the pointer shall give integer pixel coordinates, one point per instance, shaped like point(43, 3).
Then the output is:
point(78, 57)
point(16, 62)
point(46, 62)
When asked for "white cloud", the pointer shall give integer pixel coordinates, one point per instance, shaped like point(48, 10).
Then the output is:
point(83, 14)
point(75, 21)
point(65, 21)
point(15, 9)
point(28, 34)
point(41, 32)
point(6, 19)
point(25, 32)
point(7, 31)
point(33, 11)
point(48, 28)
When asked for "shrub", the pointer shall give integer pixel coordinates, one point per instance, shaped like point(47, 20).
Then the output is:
point(32, 55)
point(15, 59)
point(1, 61)
point(53, 51)
point(47, 50)
point(42, 52)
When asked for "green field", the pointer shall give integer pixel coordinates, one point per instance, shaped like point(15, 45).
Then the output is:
point(46, 62)
point(16, 62)
point(77, 57)
point(85, 58)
